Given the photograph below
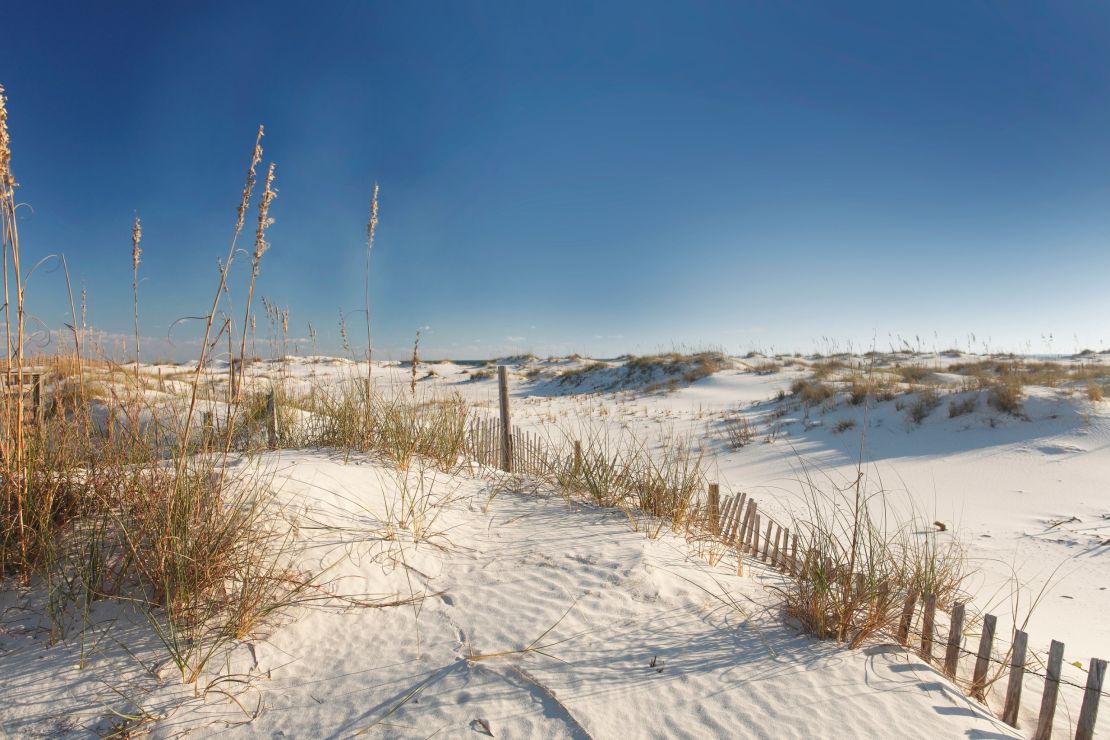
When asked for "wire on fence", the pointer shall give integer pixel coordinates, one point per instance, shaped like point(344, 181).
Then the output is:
point(990, 658)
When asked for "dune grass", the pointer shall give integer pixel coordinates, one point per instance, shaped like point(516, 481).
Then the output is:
point(115, 491)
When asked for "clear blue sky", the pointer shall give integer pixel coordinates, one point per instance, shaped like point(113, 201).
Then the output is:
point(603, 177)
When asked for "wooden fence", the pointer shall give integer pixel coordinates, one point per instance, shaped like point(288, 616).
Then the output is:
point(738, 522)
point(529, 454)
point(32, 378)
point(1015, 665)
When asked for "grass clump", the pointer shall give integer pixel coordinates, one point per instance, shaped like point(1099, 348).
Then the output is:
point(962, 407)
point(927, 401)
point(878, 386)
point(689, 367)
point(826, 368)
point(577, 376)
point(738, 432)
point(913, 374)
point(615, 469)
point(811, 392)
point(1007, 395)
point(398, 426)
point(854, 573)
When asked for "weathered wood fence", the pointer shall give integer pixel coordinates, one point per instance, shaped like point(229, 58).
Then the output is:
point(738, 522)
point(529, 453)
point(12, 382)
point(987, 669)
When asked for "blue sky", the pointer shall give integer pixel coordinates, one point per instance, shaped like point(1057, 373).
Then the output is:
point(557, 177)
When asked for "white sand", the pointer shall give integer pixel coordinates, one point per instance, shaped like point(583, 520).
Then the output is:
point(501, 570)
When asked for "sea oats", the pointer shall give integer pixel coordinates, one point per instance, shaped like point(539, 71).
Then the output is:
point(248, 187)
point(136, 253)
point(7, 180)
point(264, 221)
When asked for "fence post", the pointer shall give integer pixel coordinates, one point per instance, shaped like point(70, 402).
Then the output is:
point(907, 618)
point(1051, 689)
point(517, 452)
point(506, 430)
point(205, 430)
point(1096, 672)
point(955, 635)
point(1017, 673)
point(272, 421)
point(767, 541)
point(982, 660)
point(36, 397)
point(928, 619)
point(714, 508)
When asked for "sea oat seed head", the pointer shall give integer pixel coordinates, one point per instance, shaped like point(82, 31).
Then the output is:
point(7, 181)
point(372, 225)
point(264, 220)
point(244, 204)
point(136, 237)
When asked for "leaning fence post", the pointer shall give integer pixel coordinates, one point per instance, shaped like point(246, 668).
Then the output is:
point(1017, 673)
point(506, 429)
point(955, 635)
point(1096, 672)
point(1051, 690)
point(726, 516)
point(928, 618)
point(737, 515)
point(982, 660)
point(745, 525)
point(767, 541)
